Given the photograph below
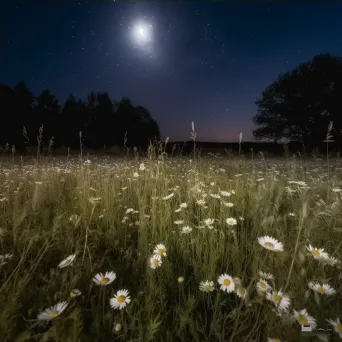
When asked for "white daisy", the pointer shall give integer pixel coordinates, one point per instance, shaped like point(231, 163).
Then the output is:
point(241, 292)
point(160, 249)
point(303, 318)
point(226, 282)
point(322, 288)
point(209, 222)
point(104, 280)
point(120, 300)
point(337, 325)
point(155, 261)
point(263, 286)
point(67, 261)
point(179, 222)
point(183, 205)
point(231, 221)
point(270, 243)
point(225, 193)
point(186, 230)
point(52, 312)
point(265, 275)
point(280, 300)
point(206, 286)
point(142, 167)
point(317, 253)
point(269, 339)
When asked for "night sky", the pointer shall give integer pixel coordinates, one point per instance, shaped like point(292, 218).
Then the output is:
point(206, 61)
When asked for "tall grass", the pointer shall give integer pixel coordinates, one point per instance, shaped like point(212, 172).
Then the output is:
point(54, 209)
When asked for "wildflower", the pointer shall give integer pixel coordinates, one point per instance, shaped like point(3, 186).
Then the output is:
point(75, 293)
point(186, 230)
point(52, 312)
point(135, 174)
point(87, 162)
point(225, 193)
point(336, 190)
point(142, 167)
point(206, 286)
point(178, 210)
point(241, 292)
point(201, 202)
point(215, 196)
point(117, 327)
point(129, 210)
point(337, 325)
point(322, 288)
point(179, 222)
point(292, 214)
point(270, 243)
point(228, 204)
point(265, 275)
point(226, 282)
point(304, 318)
point(120, 300)
point(209, 222)
point(330, 261)
point(104, 280)
point(279, 299)
point(263, 286)
point(155, 261)
point(231, 221)
point(168, 197)
point(180, 280)
point(183, 205)
point(68, 261)
point(317, 253)
point(160, 249)
point(269, 339)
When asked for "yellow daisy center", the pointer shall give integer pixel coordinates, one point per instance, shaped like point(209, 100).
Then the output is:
point(269, 245)
point(104, 281)
point(303, 320)
point(161, 251)
point(242, 291)
point(316, 253)
point(226, 282)
point(263, 285)
point(339, 327)
point(155, 261)
point(68, 261)
point(121, 299)
point(320, 290)
point(53, 314)
point(277, 298)
point(207, 287)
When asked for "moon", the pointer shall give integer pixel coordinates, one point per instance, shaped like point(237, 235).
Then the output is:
point(142, 33)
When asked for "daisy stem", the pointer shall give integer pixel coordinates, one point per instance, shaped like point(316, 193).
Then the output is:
point(87, 229)
point(296, 245)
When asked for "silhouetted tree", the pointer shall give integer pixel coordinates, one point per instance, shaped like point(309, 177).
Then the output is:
point(73, 119)
point(300, 104)
point(47, 113)
point(103, 122)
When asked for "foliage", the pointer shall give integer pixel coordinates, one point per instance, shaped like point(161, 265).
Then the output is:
point(102, 121)
point(300, 104)
point(112, 213)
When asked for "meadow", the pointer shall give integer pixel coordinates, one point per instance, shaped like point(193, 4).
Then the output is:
point(153, 248)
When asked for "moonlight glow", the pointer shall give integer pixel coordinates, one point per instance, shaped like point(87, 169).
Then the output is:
point(142, 33)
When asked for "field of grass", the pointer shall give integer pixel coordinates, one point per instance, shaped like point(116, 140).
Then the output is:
point(203, 283)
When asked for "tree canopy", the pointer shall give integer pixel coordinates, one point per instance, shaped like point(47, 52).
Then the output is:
point(301, 103)
point(103, 122)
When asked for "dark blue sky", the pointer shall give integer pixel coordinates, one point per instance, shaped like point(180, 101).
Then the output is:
point(208, 61)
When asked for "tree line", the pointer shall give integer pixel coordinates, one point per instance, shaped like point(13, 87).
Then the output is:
point(103, 122)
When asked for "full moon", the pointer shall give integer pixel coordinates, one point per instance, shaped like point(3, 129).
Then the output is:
point(142, 33)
